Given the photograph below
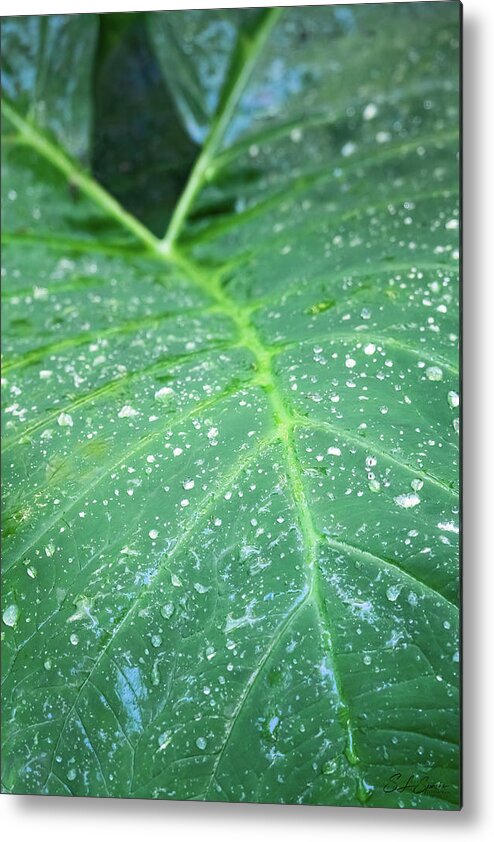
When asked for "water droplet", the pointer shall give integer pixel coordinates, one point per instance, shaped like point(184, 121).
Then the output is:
point(367, 660)
point(374, 485)
point(453, 399)
point(273, 724)
point(126, 412)
point(330, 767)
point(168, 610)
point(74, 639)
point(448, 526)
point(32, 572)
point(200, 588)
point(65, 420)
point(11, 615)
point(393, 592)
point(47, 664)
point(370, 111)
point(369, 349)
point(201, 743)
point(156, 640)
point(188, 484)
point(417, 484)
point(163, 393)
point(348, 149)
point(433, 372)
point(350, 363)
point(71, 774)
point(407, 501)
point(153, 534)
point(212, 435)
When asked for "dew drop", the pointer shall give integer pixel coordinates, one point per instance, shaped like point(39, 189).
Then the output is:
point(126, 412)
point(65, 420)
point(393, 592)
point(168, 610)
point(164, 392)
point(407, 501)
point(433, 372)
point(333, 451)
point(348, 149)
point(330, 767)
point(370, 111)
point(11, 615)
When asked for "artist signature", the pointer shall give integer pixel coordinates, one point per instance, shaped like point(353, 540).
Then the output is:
point(418, 784)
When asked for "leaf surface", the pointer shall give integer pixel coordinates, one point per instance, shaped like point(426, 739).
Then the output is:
point(231, 456)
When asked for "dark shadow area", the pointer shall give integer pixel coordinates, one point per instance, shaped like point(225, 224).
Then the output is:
point(140, 150)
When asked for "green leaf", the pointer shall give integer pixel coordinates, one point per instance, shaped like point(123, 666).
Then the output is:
point(231, 455)
point(46, 69)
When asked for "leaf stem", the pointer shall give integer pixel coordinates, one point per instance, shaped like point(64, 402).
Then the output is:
point(243, 63)
point(77, 177)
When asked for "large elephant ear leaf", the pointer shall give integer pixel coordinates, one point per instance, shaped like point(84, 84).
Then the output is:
point(231, 508)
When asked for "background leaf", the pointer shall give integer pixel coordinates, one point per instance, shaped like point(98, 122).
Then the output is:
point(231, 458)
point(129, 155)
point(46, 69)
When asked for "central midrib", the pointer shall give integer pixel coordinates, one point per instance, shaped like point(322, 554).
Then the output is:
point(285, 423)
